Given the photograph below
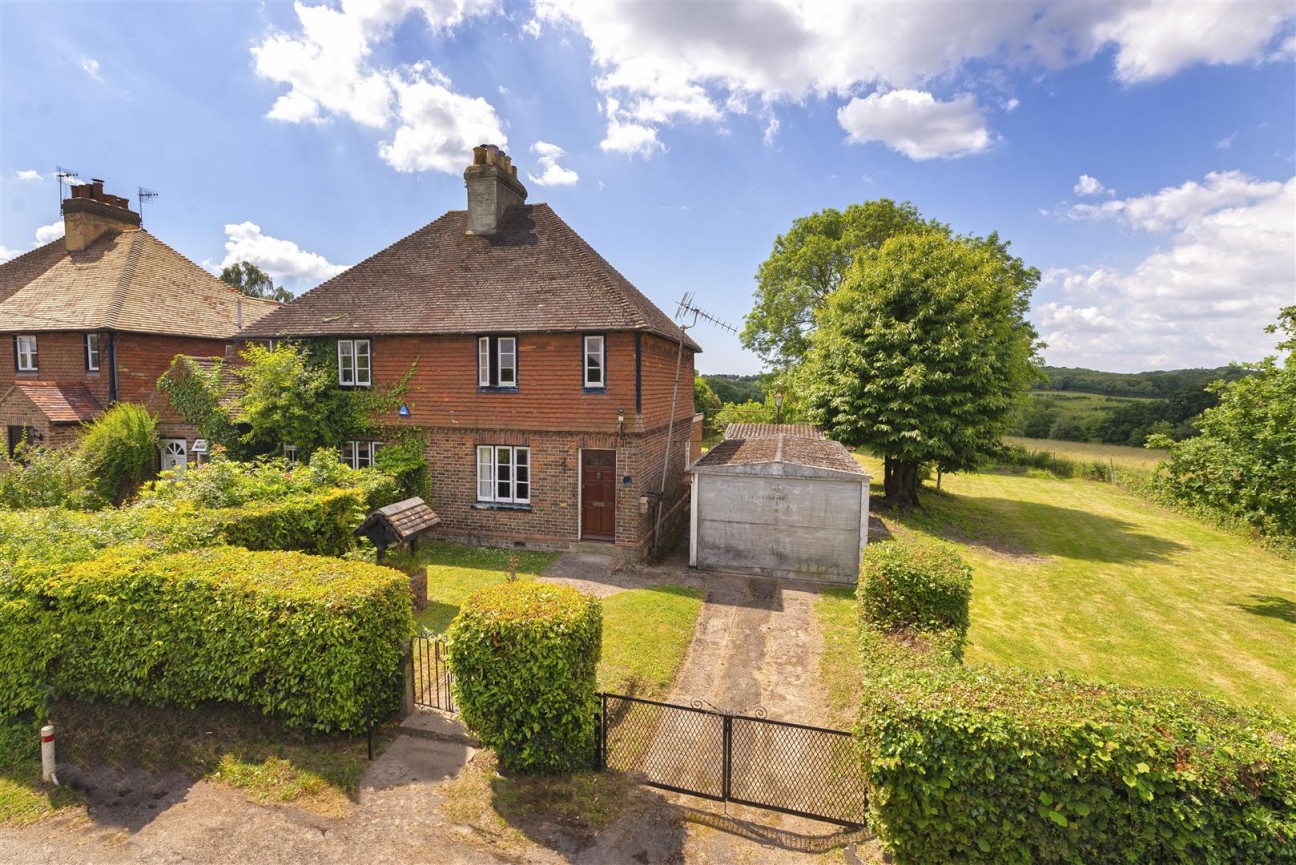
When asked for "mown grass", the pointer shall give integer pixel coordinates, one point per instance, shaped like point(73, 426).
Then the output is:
point(23, 796)
point(455, 571)
point(1087, 577)
point(839, 665)
point(1136, 459)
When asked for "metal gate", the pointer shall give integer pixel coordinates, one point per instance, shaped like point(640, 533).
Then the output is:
point(730, 757)
point(429, 675)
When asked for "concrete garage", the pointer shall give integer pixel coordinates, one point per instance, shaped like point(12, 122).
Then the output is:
point(779, 501)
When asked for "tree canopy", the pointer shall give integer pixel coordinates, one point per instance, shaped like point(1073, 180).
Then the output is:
point(923, 353)
point(809, 263)
point(1243, 465)
point(254, 282)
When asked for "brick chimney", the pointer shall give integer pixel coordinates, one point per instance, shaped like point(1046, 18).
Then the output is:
point(91, 213)
point(493, 188)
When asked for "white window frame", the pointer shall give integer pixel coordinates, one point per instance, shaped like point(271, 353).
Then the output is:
point(497, 361)
point(26, 352)
point(92, 352)
point(357, 453)
point(599, 354)
point(504, 474)
point(351, 353)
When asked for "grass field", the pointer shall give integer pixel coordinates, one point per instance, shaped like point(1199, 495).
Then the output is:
point(1085, 577)
point(1137, 459)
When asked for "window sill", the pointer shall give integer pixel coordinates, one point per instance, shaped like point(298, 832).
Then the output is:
point(508, 389)
point(354, 386)
point(499, 506)
point(602, 389)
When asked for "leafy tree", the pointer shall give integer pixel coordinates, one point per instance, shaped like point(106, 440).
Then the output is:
point(923, 354)
point(286, 400)
point(1243, 464)
point(736, 388)
point(809, 263)
point(254, 282)
point(121, 446)
point(705, 400)
point(744, 412)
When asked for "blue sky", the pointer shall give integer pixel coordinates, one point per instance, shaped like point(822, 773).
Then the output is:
point(1141, 155)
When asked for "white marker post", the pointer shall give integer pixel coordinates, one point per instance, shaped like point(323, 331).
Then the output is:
point(47, 754)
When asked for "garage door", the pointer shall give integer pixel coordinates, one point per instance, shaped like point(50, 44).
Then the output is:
point(779, 526)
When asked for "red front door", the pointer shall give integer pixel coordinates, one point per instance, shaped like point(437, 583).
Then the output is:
point(598, 495)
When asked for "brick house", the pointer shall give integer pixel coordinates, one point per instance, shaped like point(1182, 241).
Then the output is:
point(97, 316)
point(544, 380)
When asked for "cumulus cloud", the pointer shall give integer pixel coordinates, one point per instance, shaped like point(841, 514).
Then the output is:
point(1087, 186)
point(1225, 266)
point(27, 175)
point(551, 173)
point(661, 67)
point(46, 233)
point(90, 66)
point(280, 259)
point(916, 124)
point(6, 253)
point(329, 71)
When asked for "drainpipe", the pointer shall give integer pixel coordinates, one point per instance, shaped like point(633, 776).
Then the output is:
point(112, 367)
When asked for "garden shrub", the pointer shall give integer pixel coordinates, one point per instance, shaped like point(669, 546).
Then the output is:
point(524, 656)
point(121, 446)
point(313, 641)
point(321, 523)
point(915, 584)
point(42, 478)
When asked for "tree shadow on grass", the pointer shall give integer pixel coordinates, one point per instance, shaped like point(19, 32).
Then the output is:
point(1271, 606)
point(1023, 530)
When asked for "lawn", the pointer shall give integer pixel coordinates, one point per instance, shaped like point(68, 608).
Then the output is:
point(1083, 576)
point(1137, 459)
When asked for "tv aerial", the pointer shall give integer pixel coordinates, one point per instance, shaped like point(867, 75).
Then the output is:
point(687, 308)
point(144, 195)
point(63, 175)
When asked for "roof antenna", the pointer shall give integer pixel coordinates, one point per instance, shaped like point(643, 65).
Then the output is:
point(145, 195)
point(687, 308)
point(63, 175)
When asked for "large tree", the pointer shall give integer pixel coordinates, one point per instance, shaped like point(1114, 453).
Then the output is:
point(254, 282)
point(923, 354)
point(1243, 464)
point(809, 263)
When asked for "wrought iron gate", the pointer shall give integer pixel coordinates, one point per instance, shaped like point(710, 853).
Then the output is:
point(731, 757)
point(429, 675)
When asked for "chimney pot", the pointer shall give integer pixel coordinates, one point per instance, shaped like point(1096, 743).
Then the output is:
point(493, 188)
point(90, 214)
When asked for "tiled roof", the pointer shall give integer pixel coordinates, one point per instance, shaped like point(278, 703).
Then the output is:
point(766, 430)
point(536, 274)
point(61, 402)
point(127, 282)
point(401, 521)
point(812, 453)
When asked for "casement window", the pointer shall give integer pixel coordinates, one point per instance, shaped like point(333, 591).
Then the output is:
point(92, 352)
point(25, 352)
point(497, 361)
point(355, 363)
point(595, 362)
point(503, 474)
point(357, 454)
point(22, 436)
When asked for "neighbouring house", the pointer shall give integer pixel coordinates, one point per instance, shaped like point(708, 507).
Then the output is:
point(779, 500)
point(97, 316)
point(556, 398)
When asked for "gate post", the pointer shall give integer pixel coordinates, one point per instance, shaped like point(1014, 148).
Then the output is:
point(601, 733)
point(726, 765)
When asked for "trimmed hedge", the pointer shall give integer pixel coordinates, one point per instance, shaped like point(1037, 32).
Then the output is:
point(315, 642)
point(524, 656)
point(321, 523)
point(915, 584)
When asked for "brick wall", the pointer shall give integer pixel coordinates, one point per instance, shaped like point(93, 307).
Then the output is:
point(59, 357)
point(143, 358)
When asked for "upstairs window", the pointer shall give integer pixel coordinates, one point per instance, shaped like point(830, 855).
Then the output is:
point(92, 352)
point(595, 370)
point(497, 361)
point(25, 352)
point(359, 454)
point(354, 363)
point(504, 475)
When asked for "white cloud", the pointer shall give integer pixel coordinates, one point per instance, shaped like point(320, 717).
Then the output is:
point(27, 175)
point(1226, 265)
point(916, 124)
point(551, 173)
point(90, 66)
point(6, 253)
point(1226, 142)
point(327, 67)
point(280, 259)
point(1088, 185)
point(663, 67)
point(46, 233)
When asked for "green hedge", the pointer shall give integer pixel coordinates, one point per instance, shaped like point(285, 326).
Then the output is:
point(524, 656)
point(316, 642)
point(915, 584)
point(322, 523)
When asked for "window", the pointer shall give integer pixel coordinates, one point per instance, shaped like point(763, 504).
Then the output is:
point(290, 454)
point(354, 363)
point(92, 352)
point(357, 454)
point(595, 377)
point(20, 436)
point(497, 361)
point(504, 474)
point(25, 352)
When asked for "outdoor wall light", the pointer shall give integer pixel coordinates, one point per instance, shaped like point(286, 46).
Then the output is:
point(778, 407)
point(621, 420)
